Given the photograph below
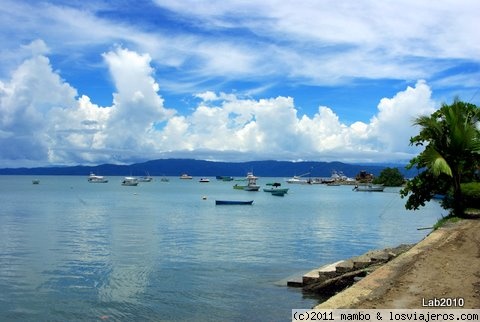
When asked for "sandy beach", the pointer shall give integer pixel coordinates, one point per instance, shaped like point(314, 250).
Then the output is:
point(444, 265)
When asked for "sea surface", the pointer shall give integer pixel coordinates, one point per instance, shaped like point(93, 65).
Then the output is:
point(77, 251)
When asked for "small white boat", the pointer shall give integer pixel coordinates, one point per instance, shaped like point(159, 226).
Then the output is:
point(369, 187)
point(186, 176)
point(130, 181)
point(204, 180)
point(299, 179)
point(145, 179)
point(92, 178)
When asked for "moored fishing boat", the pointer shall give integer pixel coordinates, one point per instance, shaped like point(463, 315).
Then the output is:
point(233, 202)
point(275, 188)
point(130, 181)
point(279, 190)
point(92, 178)
point(298, 179)
point(146, 178)
point(369, 187)
point(251, 188)
point(251, 183)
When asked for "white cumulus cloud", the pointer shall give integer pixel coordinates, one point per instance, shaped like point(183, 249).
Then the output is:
point(25, 102)
point(43, 120)
point(393, 123)
point(137, 105)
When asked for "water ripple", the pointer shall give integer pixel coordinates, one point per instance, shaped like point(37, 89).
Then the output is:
point(70, 250)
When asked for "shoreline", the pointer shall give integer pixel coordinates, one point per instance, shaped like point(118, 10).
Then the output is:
point(445, 264)
point(330, 279)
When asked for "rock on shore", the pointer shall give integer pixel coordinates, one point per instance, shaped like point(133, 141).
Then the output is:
point(330, 279)
point(446, 264)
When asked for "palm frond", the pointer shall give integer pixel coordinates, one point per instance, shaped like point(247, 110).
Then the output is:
point(436, 162)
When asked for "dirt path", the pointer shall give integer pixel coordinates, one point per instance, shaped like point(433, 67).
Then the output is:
point(446, 264)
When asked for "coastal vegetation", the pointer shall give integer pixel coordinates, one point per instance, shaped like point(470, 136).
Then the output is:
point(471, 192)
point(451, 157)
point(390, 177)
point(446, 220)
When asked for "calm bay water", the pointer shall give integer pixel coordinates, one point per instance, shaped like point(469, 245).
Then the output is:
point(73, 250)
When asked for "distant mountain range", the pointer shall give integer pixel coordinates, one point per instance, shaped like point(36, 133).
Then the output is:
point(175, 167)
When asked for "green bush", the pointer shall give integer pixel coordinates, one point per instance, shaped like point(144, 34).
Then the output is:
point(471, 192)
point(390, 177)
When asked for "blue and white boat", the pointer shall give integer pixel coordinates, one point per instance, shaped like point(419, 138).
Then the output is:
point(233, 202)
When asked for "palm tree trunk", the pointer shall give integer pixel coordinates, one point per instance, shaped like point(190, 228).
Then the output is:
point(458, 203)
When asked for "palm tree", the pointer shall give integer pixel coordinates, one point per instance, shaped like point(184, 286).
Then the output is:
point(453, 145)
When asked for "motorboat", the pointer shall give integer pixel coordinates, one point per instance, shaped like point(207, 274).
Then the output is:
point(369, 187)
point(275, 188)
point(251, 183)
point(298, 179)
point(129, 181)
point(204, 180)
point(146, 178)
point(92, 178)
point(186, 176)
point(233, 202)
point(284, 190)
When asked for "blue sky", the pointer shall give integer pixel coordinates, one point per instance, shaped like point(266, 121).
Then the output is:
point(89, 82)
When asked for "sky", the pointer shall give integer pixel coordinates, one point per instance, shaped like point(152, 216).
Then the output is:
point(93, 82)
